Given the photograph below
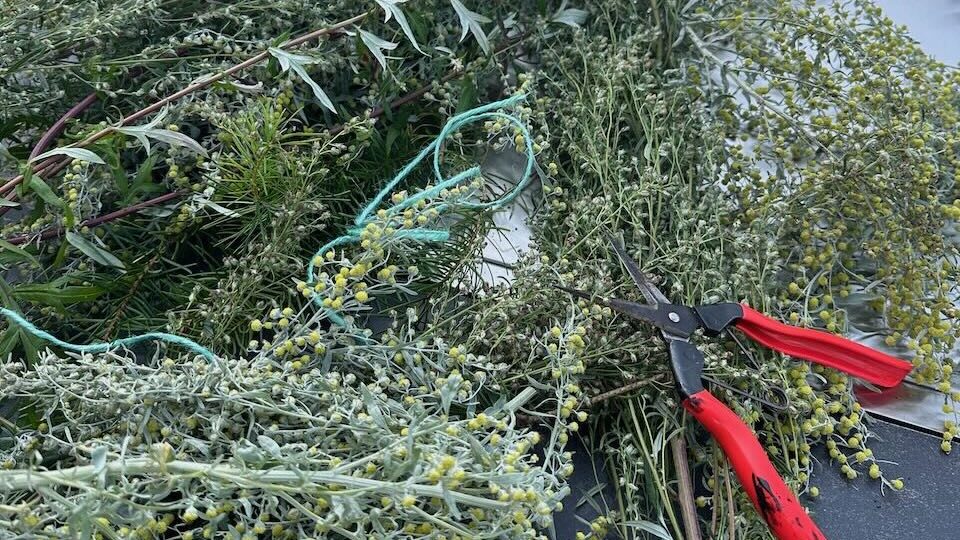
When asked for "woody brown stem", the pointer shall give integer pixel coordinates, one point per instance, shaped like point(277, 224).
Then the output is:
point(599, 398)
point(688, 508)
point(93, 222)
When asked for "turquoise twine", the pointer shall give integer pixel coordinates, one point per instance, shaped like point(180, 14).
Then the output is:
point(103, 347)
point(353, 234)
point(433, 235)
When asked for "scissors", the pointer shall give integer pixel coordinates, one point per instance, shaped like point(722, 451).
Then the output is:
point(776, 503)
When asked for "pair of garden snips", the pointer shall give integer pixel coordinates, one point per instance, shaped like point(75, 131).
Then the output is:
point(776, 503)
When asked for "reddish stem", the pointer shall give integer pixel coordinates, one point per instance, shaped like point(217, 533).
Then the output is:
point(376, 112)
point(58, 126)
point(199, 85)
point(100, 220)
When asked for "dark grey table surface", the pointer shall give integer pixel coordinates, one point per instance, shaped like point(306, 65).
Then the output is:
point(928, 508)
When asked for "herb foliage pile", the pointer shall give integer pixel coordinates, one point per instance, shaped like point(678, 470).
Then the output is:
point(173, 166)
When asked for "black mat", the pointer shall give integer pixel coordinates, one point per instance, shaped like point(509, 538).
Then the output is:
point(927, 508)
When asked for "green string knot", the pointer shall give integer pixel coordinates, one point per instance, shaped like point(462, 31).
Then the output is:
point(365, 217)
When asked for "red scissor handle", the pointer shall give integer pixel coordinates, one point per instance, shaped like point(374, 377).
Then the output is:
point(773, 499)
point(823, 348)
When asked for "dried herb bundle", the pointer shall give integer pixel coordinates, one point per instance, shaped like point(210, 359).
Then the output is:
point(796, 156)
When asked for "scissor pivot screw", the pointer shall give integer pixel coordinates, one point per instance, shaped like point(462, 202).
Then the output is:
point(673, 316)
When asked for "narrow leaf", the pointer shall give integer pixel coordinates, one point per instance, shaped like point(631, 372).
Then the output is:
point(49, 294)
point(207, 203)
point(76, 153)
point(173, 138)
point(570, 17)
point(38, 186)
point(98, 458)
point(138, 133)
point(8, 203)
point(270, 446)
point(470, 23)
point(391, 9)
point(297, 63)
point(93, 251)
point(317, 91)
point(19, 251)
point(15, 335)
point(377, 46)
point(468, 94)
point(649, 527)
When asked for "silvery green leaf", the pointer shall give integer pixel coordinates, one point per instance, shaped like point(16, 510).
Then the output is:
point(198, 445)
point(377, 524)
point(520, 399)
point(680, 35)
point(156, 119)
point(270, 446)
point(377, 46)
point(174, 138)
point(251, 88)
point(649, 527)
point(391, 9)
point(451, 503)
point(537, 384)
point(447, 393)
point(658, 443)
point(140, 136)
point(157, 211)
point(93, 251)
point(470, 23)
point(480, 454)
point(297, 63)
point(98, 458)
point(76, 153)
point(248, 453)
point(207, 203)
point(8, 203)
point(405, 290)
point(345, 507)
point(570, 17)
point(247, 507)
point(372, 408)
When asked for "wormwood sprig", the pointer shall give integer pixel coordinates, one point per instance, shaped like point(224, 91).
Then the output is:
point(671, 162)
point(410, 439)
point(796, 156)
point(867, 205)
point(230, 444)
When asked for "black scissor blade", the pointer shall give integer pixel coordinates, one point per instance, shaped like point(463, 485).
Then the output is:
point(682, 324)
point(649, 290)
